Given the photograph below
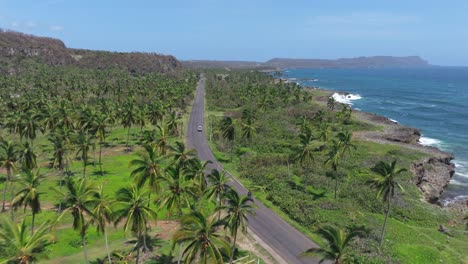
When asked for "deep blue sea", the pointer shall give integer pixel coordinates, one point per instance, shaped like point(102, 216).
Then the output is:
point(434, 100)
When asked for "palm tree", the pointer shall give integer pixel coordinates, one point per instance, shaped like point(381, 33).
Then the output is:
point(29, 195)
point(331, 103)
point(248, 129)
point(103, 214)
point(100, 123)
point(79, 198)
point(136, 213)
point(30, 126)
point(8, 157)
point(344, 138)
point(201, 238)
point(337, 241)
point(147, 168)
point(182, 156)
point(19, 246)
point(196, 172)
point(219, 185)
point(60, 157)
point(172, 124)
point(324, 132)
point(84, 142)
point(305, 153)
point(385, 184)
point(333, 159)
point(179, 189)
point(162, 140)
point(27, 156)
point(229, 130)
point(237, 208)
point(128, 118)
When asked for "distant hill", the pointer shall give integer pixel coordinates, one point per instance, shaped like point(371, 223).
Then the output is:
point(213, 64)
point(360, 62)
point(281, 63)
point(16, 48)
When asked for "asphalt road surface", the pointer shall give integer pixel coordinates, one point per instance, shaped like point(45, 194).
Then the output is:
point(280, 236)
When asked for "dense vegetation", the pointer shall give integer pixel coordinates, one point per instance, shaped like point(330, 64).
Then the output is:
point(91, 159)
point(294, 148)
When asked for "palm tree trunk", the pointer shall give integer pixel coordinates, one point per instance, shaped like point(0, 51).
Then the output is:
point(32, 223)
point(107, 246)
point(336, 184)
point(12, 191)
point(85, 250)
point(219, 205)
point(84, 168)
point(138, 247)
point(233, 248)
point(387, 212)
point(128, 137)
point(60, 187)
point(94, 156)
point(100, 157)
point(4, 194)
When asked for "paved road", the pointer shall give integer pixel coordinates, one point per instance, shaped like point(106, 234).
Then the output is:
point(280, 236)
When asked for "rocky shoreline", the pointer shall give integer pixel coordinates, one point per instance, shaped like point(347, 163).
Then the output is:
point(431, 175)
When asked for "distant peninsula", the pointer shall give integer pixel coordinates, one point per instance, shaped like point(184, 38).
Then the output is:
point(282, 63)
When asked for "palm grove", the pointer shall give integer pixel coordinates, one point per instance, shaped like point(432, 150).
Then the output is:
point(296, 147)
point(59, 131)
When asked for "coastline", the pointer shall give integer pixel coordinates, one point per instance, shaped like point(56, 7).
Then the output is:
point(431, 175)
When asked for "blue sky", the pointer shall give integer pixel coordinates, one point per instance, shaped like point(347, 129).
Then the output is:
point(252, 29)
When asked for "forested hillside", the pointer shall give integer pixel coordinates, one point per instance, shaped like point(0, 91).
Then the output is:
point(19, 51)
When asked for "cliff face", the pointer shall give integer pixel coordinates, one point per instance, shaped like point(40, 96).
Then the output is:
point(433, 175)
point(16, 47)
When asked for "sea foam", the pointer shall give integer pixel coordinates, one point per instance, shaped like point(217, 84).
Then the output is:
point(346, 98)
point(426, 141)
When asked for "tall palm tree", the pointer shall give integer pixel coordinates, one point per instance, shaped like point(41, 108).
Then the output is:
point(237, 209)
point(229, 130)
point(333, 159)
point(27, 157)
point(345, 140)
point(196, 172)
point(305, 152)
point(337, 241)
point(134, 209)
point(103, 215)
point(162, 140)
point(147, 168)
point(172, 124)
point(100, 124)
point(29, 195)
point(9, 155)
point(17, 245)
point(182, 157)
point(248, 129)
point(128, 118)
point(202, 241)
point(331, 103)
point(60, 156)
point(219, 185)
point(79, 199)
point(83, 142)
point(324, 132)
point(179, 189)
point(385, 184)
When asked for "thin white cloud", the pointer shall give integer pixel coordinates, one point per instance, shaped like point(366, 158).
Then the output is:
point(56, 28)
point(379, 19)
point(23, 25)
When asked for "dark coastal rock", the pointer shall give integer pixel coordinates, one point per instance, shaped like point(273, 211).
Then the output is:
point(433, 175)
point(403, 134)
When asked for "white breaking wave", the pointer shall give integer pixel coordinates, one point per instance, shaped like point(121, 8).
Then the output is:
point(346, 98)
point(393, 120)
point(426, 141)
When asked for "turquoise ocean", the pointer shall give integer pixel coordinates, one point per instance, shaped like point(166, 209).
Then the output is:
point(434, 99)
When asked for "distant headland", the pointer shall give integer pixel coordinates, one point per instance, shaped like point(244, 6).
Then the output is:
point(282, 63)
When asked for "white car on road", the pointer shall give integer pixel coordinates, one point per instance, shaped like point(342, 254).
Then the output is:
point(199, 128)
